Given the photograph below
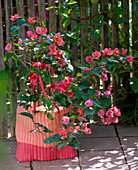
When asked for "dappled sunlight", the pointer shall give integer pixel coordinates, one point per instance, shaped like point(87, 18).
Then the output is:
point(102, 159)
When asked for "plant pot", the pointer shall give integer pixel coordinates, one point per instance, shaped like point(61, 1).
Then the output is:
point(30, 146)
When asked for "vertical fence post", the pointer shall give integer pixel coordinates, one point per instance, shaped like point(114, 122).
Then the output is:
point(41, 10)
point(125, 31)
point(135, 34)
point(115, 44)
point(105, 34)
point(3, 110)
point(12, 75)
point(52, 17)
point(20, 11)
point(84, 29)
point(61, 28)
point(31, 11)
point(74, 46)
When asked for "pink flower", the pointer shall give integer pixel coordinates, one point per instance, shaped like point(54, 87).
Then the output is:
point(86, 129)
point(65, 120)
point(8, 47)
point(109, 113)
point(58, 54)
point(29, 34)
point(107, 51)
point(52, 86)
point(36, 64)
point(130, 59)
point(61, 62)
point(20, 42)
point(31, 21)
point(104, 70)
point(124, 51)
point(89, 103)
point(88, 59)
point(34, 36)
point(106, 121)
point(96, 54)
point(116, 111)
point(58, 40)
point(77, 128)
point(62, 88)
point(114, 119)
point(99, 93)
point(33, 79)
point(69, 79)
point(41, 31)
point(80, 111)
point(116, 52)
point(88, 69)
point(104, 77)
point(70, 94)
point(109, 87)
point(101, 113)
point(14, 17)
point(52, 48)
point(107, 93)
point(63, 133)
point(70, 129)
point(43, 66)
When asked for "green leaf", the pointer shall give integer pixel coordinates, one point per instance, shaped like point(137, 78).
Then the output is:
point(85, 96)
point(66, 21)
point(133, 79)
point(50, 116)
point(33, 131)
point(89, 112)
point(21, 21)
point(96, 71)
point(27, 114)
point(46, 130)
point(92, 92)
point(84, 84)
point(84, 68)
point(87, 74)
point(135, 6)
point(94, 1)
point(48, 102)
point(135, 87)
point(49, 139)
point(96, 102)
point(14, 28)
point(119, 10)
point(79, 74)
point(26, 24)
point(71, 3)
point(57, 138)
point(136, 55)
point(62, 145)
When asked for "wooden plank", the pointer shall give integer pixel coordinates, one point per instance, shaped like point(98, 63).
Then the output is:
point(3, 111)
point(105, 34)
point(94, 15)
point(115, 44)
point(12, 75)
point(135, 36)
point(73, 46)
point(52, 18)
point(20, 12)
point(83, 30)
point(125, 31)
point(41, 10)
point(61, 28)
point(31, 12)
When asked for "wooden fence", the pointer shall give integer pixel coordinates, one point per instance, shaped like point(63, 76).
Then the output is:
point(109, 38)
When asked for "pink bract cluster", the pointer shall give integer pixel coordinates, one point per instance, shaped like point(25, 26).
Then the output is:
point(111, 116)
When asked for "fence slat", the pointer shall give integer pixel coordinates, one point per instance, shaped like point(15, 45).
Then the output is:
point(125, 31)
point(61, 28)
point(115, 44)
point(74, 47)
point(41, 10)
point(83, 30)
point(12, 77)
point(31, 8)
point(135, 35)
point(52, 18)
point(3, 110)
point(105, 34)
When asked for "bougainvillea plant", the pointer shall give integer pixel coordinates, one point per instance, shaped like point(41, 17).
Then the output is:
point(45, 82)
